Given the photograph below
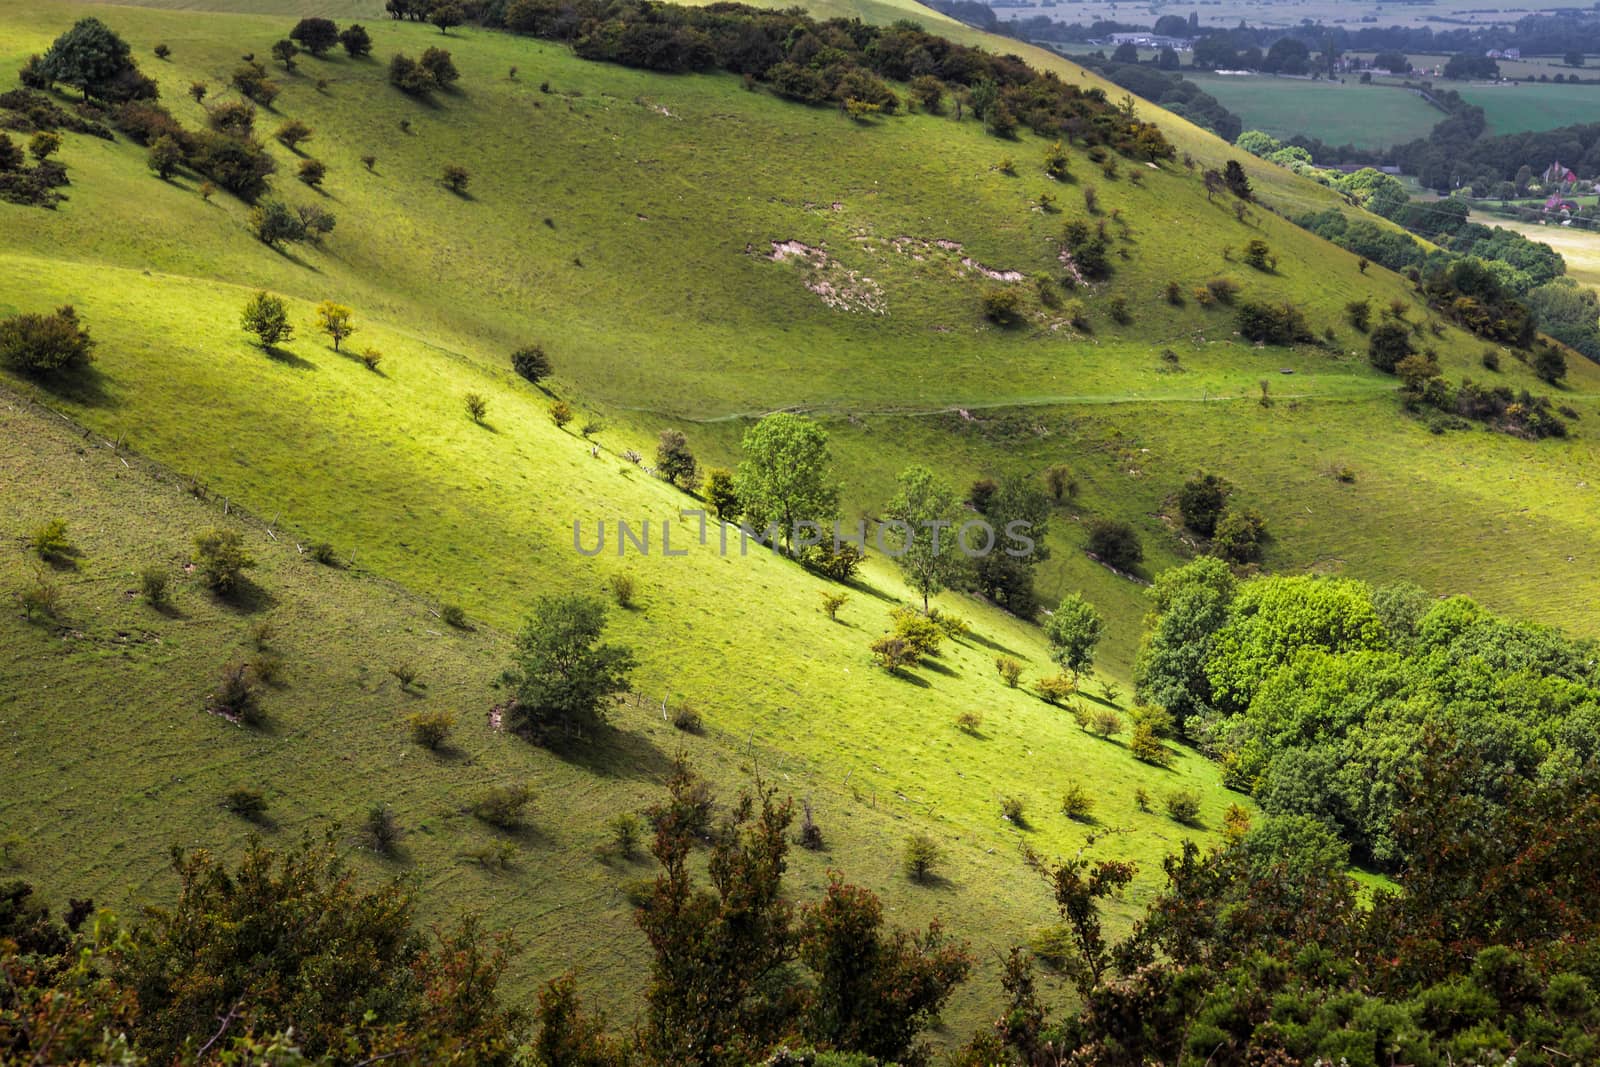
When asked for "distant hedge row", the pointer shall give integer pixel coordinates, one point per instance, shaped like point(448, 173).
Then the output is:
point(834, 61)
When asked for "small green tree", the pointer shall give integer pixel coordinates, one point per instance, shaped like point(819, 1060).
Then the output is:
point(922, 857)
point(1115, 542)
point(456, 178)
point(530, 362)
point(721, 496)
point(165, 156)
point(335, 320)
point(45, 345)
point(784, 479)
point(221, 557)
point(1073, 631)
point(1201, 502)
point(562, 672)
point(284, 52)
point(312, 171)
point(674, 460)
point(477, 407)
point(266, 316)
point(292, 134)
point(926, 513)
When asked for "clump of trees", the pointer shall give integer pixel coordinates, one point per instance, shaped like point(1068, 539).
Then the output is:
point(433, 70)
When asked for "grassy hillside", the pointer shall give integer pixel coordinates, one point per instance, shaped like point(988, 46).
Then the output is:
point(625, 221)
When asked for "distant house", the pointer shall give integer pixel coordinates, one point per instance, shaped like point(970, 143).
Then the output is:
point(1506, 53)
point(1151, 40)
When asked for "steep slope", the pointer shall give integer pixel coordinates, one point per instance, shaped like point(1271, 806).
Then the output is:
point(652, 287)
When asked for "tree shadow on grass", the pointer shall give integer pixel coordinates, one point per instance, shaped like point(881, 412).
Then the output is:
point(939, 668)
point(289, 359)
point(910, 679)
point(613, 753)
point(246, 597)
point(85, 386)
point(992, 645)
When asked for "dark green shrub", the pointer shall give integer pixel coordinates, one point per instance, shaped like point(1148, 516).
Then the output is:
point(1014, 810)
point(503, 806)
point(687, 718)
point(45, 344)
point(382, 829)
point(1002, 305)
point(1239, 535)
point(50, 542)
point(153, 582)
point(531, 363)
point(1115, 543)
point(1184, 806)
point(222, 560)
point(1389, 344)
point(237, 696)
point(1201, 501)
point(1273, 324)
point(453, 616)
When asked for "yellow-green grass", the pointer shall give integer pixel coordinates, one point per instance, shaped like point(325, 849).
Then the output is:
point(1533, 107)
point(1336, 111)
point(108, 757)
point(668, 322)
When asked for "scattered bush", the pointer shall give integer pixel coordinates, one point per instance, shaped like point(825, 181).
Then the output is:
point(405, 673)
point(627, 831)
point(1103, 722)
point(45, 344)
point(1146, 746)
point(1184, 806)
point(455, 178)
point(921, 634)
point(315, 35)
point(1056, 689)
point(221, 557)
point(237, 696)
point(674, 460)
point(1201, 502)
point(969, 722)
point(1389, 343)
point(1239, 535)
point(1116, 543)
point(1359, 314)
point(686, 717)
point(1549, 363)
point(892, 653)
point(1174, 294)
point(370, 358)
point(477, 407)
point(560, 413)
point(1118, 307)
point(1014, 810)
point(1010, 670)
point(1002, 305)
point(1258, 254)
point(502, 806)
point(381, 829)
point(1141, 799)
point(153, 582)
point(356, 40)
point(1273, 324)
point(1223, 290)
point(292, 133)
point(922, 856)
point(41, 598)
point(810, 832)
point(50, 542)
point(1076, 801)
point(165, 157)
point(1491, 360)
point(266, 316)
point(267, 667)
point(431, 729)
point(623, 589)
point(248, 804)
point(837, 564)
point(832, 602)
point(531, 363)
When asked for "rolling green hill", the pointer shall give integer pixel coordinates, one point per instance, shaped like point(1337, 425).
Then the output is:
point(628, 222)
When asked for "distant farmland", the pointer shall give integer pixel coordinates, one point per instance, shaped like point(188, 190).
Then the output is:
point(1369, 116)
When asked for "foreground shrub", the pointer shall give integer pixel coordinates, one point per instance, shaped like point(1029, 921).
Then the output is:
point(1010, 670)
point(45, 344)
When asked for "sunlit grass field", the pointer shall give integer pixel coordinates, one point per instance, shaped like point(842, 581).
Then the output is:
point(623, 220)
